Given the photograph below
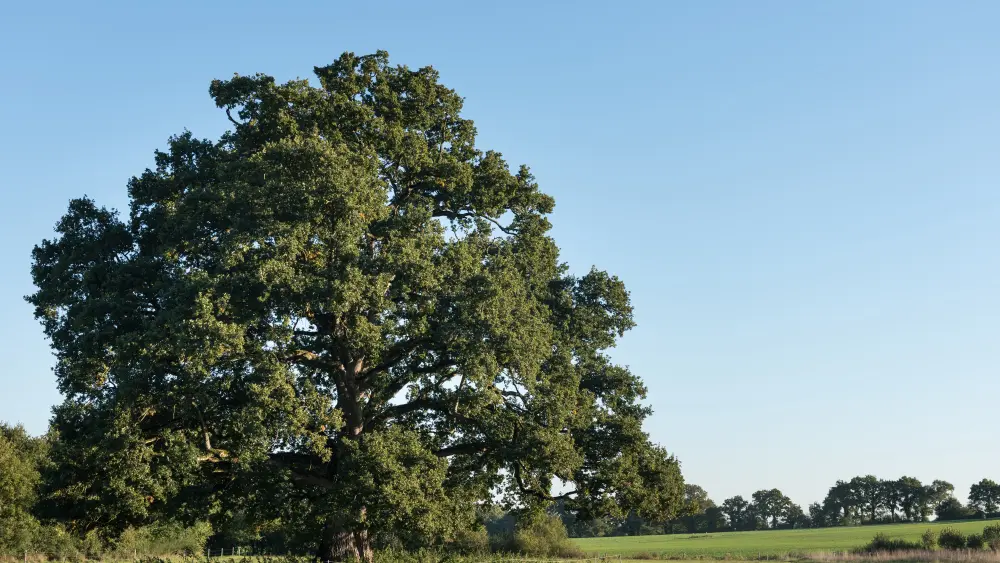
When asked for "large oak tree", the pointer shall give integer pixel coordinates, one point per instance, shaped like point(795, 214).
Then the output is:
point(345, 314)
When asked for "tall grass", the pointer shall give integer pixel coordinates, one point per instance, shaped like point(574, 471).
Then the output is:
point(917, 556)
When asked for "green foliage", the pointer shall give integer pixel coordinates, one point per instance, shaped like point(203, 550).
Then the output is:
point(929, 540)
point(92, 545)
point(161, 539)
point(772, 507)
point(984, 498)
point(474, 541)
point(991, 535)
point(543, 535)
point(870, 500)
point(951, 538)
point(58, 543)
point(952, 509)
point(21, 458)
point(975, 541)
point(737, 511)
point(883, 543)
point(349, 313)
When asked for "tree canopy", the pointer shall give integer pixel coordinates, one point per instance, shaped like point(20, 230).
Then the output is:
point(21, 461)
point(344, 314)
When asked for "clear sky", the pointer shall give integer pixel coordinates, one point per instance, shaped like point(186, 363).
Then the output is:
point(802, 196)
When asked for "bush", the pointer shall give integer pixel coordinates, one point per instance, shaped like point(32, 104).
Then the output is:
point(472, 541)
point(950, 538)
point(165, 538)
point(58, 544)
point(541, 535)
point(91, 545)
point(975, 541)
point(991, 535)
point(929, 540)
point(883, 543)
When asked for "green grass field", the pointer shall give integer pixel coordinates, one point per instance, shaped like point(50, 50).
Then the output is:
point(751, 545)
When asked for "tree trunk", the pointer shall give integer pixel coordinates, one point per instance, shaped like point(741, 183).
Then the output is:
point(346, 539)
point(341, 543)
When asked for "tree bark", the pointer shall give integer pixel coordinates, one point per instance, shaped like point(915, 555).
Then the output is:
point(341, 543)
point(346, 538)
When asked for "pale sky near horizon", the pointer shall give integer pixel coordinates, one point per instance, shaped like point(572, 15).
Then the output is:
point(801, 196)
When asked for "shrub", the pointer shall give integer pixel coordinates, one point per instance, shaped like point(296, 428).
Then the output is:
point(472, 541)
point(58, 544)
point(975, 541)
point(883, 543)
point(165, 538)
point(543, 535)
point(91, 545)
point(991, 535)
point(929, 540)
point(950, 538)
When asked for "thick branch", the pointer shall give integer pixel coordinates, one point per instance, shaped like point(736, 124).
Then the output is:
point(394, 355)
point(462, 449)
point(204, 427)
point(312, 359)
point(395, 411)
point(231, 119)
point(520, 483)
point(399, 383)
point(457, 215)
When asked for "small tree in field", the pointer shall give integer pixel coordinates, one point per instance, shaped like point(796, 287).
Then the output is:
point(950, 538)
point(929, 539)
point(984, 498)
point(347, 315)
point(991, 535)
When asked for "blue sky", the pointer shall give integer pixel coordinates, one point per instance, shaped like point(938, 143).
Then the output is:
point(801, 196)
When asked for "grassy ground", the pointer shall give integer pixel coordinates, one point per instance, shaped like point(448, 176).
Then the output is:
point(752, 545)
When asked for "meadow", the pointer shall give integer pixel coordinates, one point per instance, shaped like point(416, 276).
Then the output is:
point(766, 543)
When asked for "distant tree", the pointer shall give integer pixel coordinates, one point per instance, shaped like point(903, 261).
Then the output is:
point(870, 494)
point(891, 497)
point(592, 528)
point(794, 517)
point(952, 509)
point(737, 511)
point(715, 519)
point(771, 505)
point(841, 505)
point(818, 516)
point(934, 496)
point(984, 498)
point(695, 516)
point(577, 528)
point(910, 493)
point(635, 525)
point(755, 520)
point(696, 499)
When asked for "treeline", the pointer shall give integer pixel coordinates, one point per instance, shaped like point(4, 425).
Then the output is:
point(33, 516)
point(859, 501)
point(34, 520)
point(869, 500)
